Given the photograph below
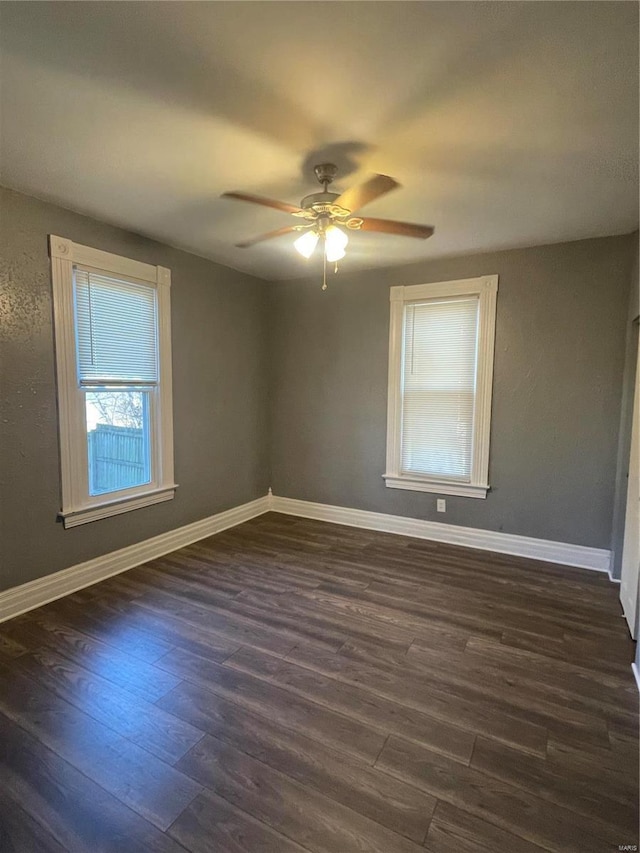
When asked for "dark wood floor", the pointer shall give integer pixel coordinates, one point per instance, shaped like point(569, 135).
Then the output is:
point(291, 685)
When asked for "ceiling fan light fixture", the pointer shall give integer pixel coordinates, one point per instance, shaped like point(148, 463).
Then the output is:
point(334, 253)
point(335, 243)
point(306, 243)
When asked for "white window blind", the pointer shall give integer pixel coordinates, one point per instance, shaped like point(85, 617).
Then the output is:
point(439, 387)
point(116, 323)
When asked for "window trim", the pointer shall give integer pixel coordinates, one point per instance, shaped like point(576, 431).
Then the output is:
point(486, 288)
point(78, 507)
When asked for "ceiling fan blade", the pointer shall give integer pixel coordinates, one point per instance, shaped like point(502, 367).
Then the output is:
point(356, 197)
point(391, 226)
point(268, 236)
point(284, 206)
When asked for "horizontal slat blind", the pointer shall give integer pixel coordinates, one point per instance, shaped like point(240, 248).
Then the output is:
point(116, 324)
point(438, 389)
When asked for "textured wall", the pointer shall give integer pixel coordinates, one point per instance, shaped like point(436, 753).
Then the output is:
point(559, 360)
point(559, 364)
point(219, 382)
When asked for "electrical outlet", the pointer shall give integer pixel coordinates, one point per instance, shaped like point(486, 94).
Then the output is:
point(441, 505)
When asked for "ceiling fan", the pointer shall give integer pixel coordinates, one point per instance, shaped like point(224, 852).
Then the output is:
point(325, 214)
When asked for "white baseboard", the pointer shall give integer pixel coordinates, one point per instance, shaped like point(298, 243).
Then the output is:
point(636, 672)
point(19, 599)
point(610, 568)
point(487, 540)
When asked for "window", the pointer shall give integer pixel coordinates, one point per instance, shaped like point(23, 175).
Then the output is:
point(440, 377)
point(113, 360)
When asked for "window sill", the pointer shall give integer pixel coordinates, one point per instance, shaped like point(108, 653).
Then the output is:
point(415, 484)
point(73, 518)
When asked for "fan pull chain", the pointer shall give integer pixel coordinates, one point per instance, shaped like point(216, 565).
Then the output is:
point(324, 268)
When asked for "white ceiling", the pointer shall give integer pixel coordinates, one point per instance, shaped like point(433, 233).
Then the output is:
point(508, 124)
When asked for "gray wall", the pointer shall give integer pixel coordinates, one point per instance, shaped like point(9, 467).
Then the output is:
point(626, 418)
point(219, 380)
point(560, 354)
point(560, 349)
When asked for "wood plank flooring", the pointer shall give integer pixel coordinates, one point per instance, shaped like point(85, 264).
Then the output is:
point(291, 686)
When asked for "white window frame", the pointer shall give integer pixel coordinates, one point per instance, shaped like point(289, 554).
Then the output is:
point(486, 289)
point(78, 507)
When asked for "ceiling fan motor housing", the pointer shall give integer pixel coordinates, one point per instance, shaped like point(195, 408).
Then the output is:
point(318, 198)
point(322, 202)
